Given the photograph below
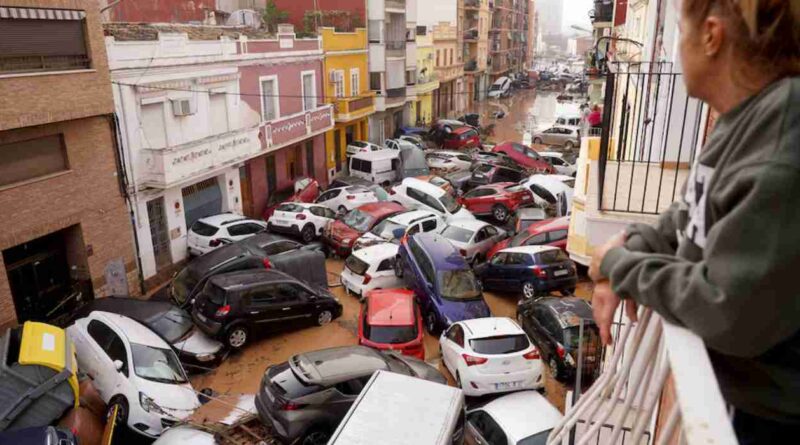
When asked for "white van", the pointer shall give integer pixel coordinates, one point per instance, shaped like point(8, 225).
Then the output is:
point(500, 88)
point(380, 166)
point(395, 409)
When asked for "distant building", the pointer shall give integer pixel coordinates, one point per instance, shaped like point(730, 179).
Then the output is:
point(427, 79)
point(477, 19)
point(66, 226)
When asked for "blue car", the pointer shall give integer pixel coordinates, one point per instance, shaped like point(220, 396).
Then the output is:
point(532, 270)
point(445, 285)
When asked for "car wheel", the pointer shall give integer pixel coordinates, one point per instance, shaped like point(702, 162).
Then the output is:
point(554, 369)
point(308, 233)
point(430, 323)
point(500, 213)
point(528, 290)
point(324, 318)
point(122, 409)
point(568, 145)
point(317, 437)
point(237, 337)
point(398, 267)
point(537, 141)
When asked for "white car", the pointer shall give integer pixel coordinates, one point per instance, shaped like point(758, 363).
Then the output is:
point(361, 147)
point(521, 418)
point(559, 163)
point(491, 355)
point(371, 268)
point(185, 435)
point(473, 238)
point(561, 135)
point(134, 370)
point(417, 194)
point(299, 218)
point(344, 199)
point(412, 221)
point(211, 232)
point(546, 190)
point(397, 144)
point(444, 162)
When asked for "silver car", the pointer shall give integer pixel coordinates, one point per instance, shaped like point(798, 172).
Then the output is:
point(558, 135)
point(473, 238)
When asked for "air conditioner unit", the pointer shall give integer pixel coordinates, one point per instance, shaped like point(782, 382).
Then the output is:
point(183, 107)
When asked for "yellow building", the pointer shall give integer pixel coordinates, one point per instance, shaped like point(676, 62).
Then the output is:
point(427, 82)
point(347, 88)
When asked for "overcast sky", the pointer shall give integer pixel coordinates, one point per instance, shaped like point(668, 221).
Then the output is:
point(576, 12)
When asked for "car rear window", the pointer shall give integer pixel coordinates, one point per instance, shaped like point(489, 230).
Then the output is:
point(214, 293)
point(552, 256)
point(287, 384)
point(356, 265)
point(501, 344)
point(457, 234)
point(390, 334)
point(204, 229)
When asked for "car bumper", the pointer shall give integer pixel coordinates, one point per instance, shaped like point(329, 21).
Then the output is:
point(283, 434)
point(210, 327)
point(147, 424)
point(557, 284)
point(291, 229)
point(350, 283)
point(478, 384)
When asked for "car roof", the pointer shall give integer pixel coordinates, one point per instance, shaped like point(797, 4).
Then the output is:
point(530, 212)
point(447, 152)
point(569, 310)
point(405, 218)
point(513, 413)
point(529, 249)
point(469, 224)
point(391, 307)
point(308, 205)
point(376, 252)
point(377, 155)
point(381, 208)
point(333, 365)
point(547, 225)
point(424, 186)
point(552, 154)
point(222, 219)
point(491, 327)
point(243, 278)
point(441, 251)
point(133, 330)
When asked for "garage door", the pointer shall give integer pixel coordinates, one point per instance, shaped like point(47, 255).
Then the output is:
point(201, 200)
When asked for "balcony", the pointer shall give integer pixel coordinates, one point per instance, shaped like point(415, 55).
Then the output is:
point(427, 83)
point(32, 64)
point(395, 5)
point(471, 66)
point(471, 35)
point(603, 12)
point(347, 109)
point(395, 48)
point(287, 130)
point(472, 4)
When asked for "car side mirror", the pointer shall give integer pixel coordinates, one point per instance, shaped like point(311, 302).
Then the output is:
point(118, 365)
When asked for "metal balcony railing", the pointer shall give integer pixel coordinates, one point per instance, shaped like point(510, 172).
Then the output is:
point(620, 406)
point(472, 4)
point(471, 65)
point(27, 64)
point(396, 92)
point(471, 34)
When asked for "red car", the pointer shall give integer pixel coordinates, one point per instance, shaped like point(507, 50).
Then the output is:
point(550, 232)
point(342, 234)
point(525, 156)
point(500, 199)
point(390, 319)
point(461, 138)
point(303, 190)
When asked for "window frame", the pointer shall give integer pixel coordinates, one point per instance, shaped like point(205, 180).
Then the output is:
point(62, 149)
point(313, 95)
point(275, 102)
point(355, 74)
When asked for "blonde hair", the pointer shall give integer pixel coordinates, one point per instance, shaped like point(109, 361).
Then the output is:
point(766, 33)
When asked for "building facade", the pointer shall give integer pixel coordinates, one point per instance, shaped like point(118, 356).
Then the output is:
point(62, 202)
point(448, 100)
point(346, 87)
point(476, 49)
point(427, 79)
point(391, 28)
point(212, 120)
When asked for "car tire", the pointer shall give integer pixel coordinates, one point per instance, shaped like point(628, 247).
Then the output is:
point(537, 141)
point(398, 267)
point(568, 145)
point(528, 290)
point(316, 436)
point(308, 233)
point(555, 370)
point(500, 213)
point(122, 410)
point(324, 317)
point(431, 324)
point(237, 337)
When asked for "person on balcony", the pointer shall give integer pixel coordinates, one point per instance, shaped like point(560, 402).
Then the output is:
point(723, 260)
point(595, 118)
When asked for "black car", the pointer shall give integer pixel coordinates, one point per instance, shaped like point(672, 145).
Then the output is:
point(39, 435)
point(195, 350)
point(305, 398)
point(489, 173)
point(533, 270)
point(235, 306)
point(554, 326)
point(257, 252)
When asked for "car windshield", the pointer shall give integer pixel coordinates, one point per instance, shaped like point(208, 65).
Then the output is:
point(390, 334)
point(414, 163)
point(531, 154)
point(172, 325)
point(356, 265)
point(457, 234)
point(450, 203)
point(203, 229)
point(358, 220)
point(157, 364)
point(385, 229)
point(536, 439)
point(552, 256)
point(501, 344)
point(183, 283)
point(459, 285)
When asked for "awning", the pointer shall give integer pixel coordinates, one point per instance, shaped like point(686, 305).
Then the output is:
point(39, 13)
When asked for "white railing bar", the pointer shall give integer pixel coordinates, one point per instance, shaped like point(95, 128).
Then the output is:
point(670, 425)
point(653, 396)
point(704, 412)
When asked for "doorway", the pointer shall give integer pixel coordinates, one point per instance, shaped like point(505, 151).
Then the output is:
point(201, 199)
point(272, 178)
point(159, 233)
point(247, 192)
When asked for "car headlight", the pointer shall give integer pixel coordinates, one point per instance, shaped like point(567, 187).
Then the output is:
point(148, 404)
point(204, 357)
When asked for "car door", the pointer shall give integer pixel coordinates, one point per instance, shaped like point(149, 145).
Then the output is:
point(320, 216)
point(346, 393)
point(485, 239)
point(328, 199)
point(482, 429)
point(309, 192)
point(538, 319)
point(475, 200)
point(494, 270)
point(452, 347)
point(105, 346)
point(517, 271)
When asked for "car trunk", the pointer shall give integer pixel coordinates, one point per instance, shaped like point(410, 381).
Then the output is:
point(504, 353)
point(555, 263)
point(210, 300)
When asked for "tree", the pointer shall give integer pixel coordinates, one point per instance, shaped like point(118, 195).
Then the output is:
point(272, 16)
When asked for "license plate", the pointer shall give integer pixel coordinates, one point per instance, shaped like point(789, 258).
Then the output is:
point(202, 317)
point(559, 273)
point(506, 385)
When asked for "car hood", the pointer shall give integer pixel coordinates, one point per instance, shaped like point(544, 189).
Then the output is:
point(422, 369)
point(179, 401)
point(198, 343)
point(340, 231)
point(465, 310)
point(498, 247)
point(462, 213)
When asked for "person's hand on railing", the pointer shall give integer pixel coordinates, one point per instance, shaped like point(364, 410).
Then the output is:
point(604, 300)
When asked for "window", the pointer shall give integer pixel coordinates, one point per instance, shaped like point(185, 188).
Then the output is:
point(352, 387)
point(543, 193)
point(456, 335)
point(116, 351)
point(244, 229)
point(499, 259)
point(24, 160)
point(416, 195)
point(328, 195)
point(375, 81)
point(491, 231)
point(100, 333)
point(487, 428)
point(501, 344)
point(387, 264)
point(429, 225)
point(280, 247)
point(338, 82)
point(154, 130)
point(270, 108)
point(433, 203)
point(437, 57)
point(375, 31)
point(479, 193)
point(219, 113)
point(355, 82)
point(322, 212)
point(361, 165)
point(309, 91)
point(109, 342)
point(536, 240)
point(43, 40)
point(411, 77)
point(451, 56)
point(557, 235)
point(552, 257)
point(294, 167)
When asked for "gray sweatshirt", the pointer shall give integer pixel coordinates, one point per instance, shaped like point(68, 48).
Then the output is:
point(722, 260)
